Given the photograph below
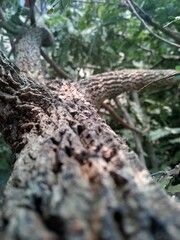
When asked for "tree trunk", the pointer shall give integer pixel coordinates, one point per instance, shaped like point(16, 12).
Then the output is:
point(73, 177)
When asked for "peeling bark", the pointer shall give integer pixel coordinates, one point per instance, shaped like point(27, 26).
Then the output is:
point(74, 178)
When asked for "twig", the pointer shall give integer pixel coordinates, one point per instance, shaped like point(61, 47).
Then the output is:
point(118, 118)
point(19, 36)
point(171, 173)
point(58, 70)
point(152, 22)
point(147, 85)
point(121, 35)
point(166, 58)
point(147, 27)
point(136, 136)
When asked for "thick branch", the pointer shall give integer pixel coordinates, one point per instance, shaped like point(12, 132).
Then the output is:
point(112, 84)
point(74, 178)
point(18, 95)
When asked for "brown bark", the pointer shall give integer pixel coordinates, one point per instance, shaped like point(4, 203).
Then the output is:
point(74, 178)
point(112, 84)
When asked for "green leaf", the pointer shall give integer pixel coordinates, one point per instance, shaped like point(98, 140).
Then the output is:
point(4, 165)
point(174, 189)
point(177, 67)
point(162, 132)
point(174, 141)
point(64, 4)
point(50, 11)
point(175, 20)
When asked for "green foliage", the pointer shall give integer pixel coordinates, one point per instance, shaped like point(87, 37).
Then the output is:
point(62, 4)
point(91, 35)
point(163, 132)
point(176, 19)
point(178, 68)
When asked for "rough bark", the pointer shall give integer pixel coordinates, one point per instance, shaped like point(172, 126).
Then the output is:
point(28, 53)
point(74, 178)
point(112, 84)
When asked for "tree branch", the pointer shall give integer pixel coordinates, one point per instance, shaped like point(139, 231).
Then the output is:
point(152, 22)
point(57, 69)
point(118, 118)
point(139, 147)
point(147, 27)
point(112, 84)
point(171, 173)
point(74, 178)
point(32, 13)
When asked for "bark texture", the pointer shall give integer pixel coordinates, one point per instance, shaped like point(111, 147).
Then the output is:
point(112, 84)
point(27, 50)
point(74, 178)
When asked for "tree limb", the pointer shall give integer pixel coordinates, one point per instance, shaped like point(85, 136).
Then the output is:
point(73, 178)
point(32, 13)
point(111, 84)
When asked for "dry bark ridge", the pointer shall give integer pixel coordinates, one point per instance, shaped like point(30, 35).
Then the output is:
point(74, 178)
